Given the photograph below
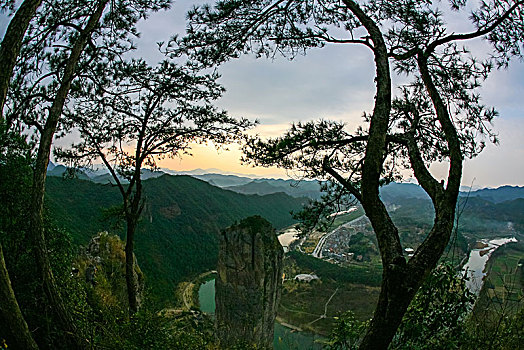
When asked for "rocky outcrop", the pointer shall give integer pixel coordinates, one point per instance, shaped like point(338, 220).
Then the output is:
point(248, 285)
point(102, 267)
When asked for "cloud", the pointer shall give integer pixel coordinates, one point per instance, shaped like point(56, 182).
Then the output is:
point(330, 83)
point(336, 82)
point(499, 164)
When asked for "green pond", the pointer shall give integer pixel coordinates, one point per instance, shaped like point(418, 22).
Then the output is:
point(285, 338)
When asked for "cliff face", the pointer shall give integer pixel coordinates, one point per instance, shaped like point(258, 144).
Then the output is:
point(102, 266)
point(249, 283)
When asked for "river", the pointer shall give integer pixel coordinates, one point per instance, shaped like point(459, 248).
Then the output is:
point(285, 338)
point(287, 237)
point(477, 262)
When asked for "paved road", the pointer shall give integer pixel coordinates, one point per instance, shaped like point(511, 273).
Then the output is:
point(317, 252)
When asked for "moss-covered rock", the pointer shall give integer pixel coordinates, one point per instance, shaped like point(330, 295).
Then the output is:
point(102, 267)
point(248, 285)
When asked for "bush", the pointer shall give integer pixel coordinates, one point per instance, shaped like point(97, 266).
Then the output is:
point(435, 318)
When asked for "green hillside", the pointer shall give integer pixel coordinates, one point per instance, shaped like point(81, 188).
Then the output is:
point(178, 234)
point(310, 189)
point(500, 194)
point(478, 217)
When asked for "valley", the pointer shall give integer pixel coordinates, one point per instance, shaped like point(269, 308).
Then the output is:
point(178, 226)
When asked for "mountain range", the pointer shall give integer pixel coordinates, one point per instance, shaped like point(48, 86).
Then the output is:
point(178, 233)
point(177, 236)
point(295, 188)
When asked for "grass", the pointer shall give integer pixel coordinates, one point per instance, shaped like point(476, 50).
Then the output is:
point(303, 304)
point(505, 277)
point(503, 288)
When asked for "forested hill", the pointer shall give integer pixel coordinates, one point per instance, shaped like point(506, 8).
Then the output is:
point(178, 233)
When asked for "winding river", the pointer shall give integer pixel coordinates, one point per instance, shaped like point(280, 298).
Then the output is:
point(477, 262)
point(287, 237)
point(285, 338)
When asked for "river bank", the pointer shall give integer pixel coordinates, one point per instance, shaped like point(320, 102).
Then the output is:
point(286, 336)
point(474, 269)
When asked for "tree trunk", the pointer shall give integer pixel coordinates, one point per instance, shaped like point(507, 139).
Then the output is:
point(401, 280)
point(10, 315)
point(130, 267)
point(39, 177)
point(392, 304)
point(12, 43)
point(398, 285)
point(133, 212)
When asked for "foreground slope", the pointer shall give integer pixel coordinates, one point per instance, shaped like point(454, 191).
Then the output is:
point(178, 233)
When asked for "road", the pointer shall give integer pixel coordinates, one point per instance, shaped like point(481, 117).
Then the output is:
point(317, 252)
point(325, 308)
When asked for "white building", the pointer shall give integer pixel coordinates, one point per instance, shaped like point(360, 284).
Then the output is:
point(304, 277)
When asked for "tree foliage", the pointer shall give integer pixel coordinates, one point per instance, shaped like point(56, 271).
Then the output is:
point(48, 44)
point(347, 332)
point(15, 183)
point(436, 318)
point(436, 116)
point(135, 114)
point(56, 51)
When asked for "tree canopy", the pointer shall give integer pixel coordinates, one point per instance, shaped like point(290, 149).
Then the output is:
point(436, 116)
point(135, 114)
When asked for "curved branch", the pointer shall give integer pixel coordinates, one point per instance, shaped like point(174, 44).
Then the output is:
point(450, 133)
point(12, 44)
point(347, 185)
point(453, 37)
point(424, 177)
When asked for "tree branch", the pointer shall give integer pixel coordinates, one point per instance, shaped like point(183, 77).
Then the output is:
point(347, 185)
point(453, 37)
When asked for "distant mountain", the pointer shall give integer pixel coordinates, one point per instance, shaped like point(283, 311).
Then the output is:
point(467, 189)
point(213, 171)
point(310, 189)
point(60, 171)
point(95, 170)
point(150, 174)
point(197, 171)
point(501, 194)
point(106, 179)
point(255, 187)
point(50, 166)
point(507, 211)
point(97, 174)
point(221, 180)
point(390, 193)
point(178, 233)
point(477, 217)
point(396, 190)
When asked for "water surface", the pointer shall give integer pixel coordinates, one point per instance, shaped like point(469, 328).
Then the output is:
point(285, 338)
point(477, 262)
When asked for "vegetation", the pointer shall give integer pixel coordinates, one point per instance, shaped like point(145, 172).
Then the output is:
point(65, 68)
point(347, 333)
point(138, 115)
point(14, 180)
point(435, 318)
point(436, 116)
point(498, 314)
point(180, 222)
point(19, 259)
point(359, 274)
point(304, 304)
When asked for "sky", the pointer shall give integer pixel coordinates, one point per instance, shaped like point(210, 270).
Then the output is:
point(335, 82)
